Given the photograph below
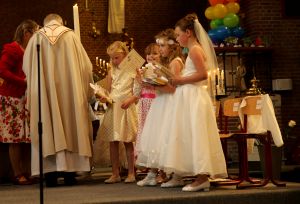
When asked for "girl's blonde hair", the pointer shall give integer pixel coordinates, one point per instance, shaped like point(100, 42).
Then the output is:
point(169, 37)
point(117, 47)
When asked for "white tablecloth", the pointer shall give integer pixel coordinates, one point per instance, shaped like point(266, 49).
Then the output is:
point(266, 121)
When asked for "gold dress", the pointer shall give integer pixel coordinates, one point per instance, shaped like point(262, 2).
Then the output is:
point(120, 124)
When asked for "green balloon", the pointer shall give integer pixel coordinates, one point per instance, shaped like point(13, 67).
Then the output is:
point(216, 23)
point(231, 20)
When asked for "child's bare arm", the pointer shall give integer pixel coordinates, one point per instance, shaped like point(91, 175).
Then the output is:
point(127, 102)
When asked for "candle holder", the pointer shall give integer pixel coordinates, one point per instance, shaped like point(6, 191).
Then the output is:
point(95, 33)
point(254, 89)
point(101, 69)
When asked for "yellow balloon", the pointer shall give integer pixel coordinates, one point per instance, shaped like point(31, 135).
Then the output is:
point(220, 11)
point(209, 13)
point(233, 7)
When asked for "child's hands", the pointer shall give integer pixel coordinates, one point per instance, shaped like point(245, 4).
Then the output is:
point(174, 81)
point(139, 74)
point(127, 102)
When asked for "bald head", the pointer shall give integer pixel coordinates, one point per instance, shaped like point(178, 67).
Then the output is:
point(51, 17)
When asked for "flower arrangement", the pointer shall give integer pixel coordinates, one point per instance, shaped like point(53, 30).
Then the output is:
point(289, 141)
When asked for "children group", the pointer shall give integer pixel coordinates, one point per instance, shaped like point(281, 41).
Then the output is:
point(168, 130)
point(172, 133)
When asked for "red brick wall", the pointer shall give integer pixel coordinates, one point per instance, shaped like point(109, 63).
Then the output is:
point(265, 18)
point(13, 12)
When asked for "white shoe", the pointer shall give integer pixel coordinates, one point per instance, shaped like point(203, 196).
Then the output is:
point(176, 181)
point(203, 186)
point(149, 180)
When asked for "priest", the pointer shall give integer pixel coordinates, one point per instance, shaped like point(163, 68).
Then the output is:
point(66, 72)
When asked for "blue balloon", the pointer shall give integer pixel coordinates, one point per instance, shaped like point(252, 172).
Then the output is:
point(213, 36)
point(237, 32)
point(222, 32)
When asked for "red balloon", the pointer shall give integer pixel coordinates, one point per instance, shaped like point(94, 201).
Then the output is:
point(214, 2)
point(228, 1)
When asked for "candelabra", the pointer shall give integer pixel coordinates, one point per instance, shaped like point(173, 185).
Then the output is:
point(94, 32)
point(101, 69)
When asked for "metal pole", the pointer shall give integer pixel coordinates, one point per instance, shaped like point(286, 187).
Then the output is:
point(40, 126)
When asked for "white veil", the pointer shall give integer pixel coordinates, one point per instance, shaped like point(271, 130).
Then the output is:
point(211, 59)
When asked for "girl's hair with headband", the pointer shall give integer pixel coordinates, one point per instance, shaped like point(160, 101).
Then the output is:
point(168, 37)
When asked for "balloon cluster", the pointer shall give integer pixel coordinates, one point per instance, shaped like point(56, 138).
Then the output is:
point(224, 20)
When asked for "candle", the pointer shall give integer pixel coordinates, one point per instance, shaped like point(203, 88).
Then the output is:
point(222, 81)
point(209, 82)
point(86, 5)
point(100, 62)
point(76, 21)
point(97, 61)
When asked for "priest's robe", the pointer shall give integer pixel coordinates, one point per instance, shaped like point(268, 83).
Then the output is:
point(66, 72)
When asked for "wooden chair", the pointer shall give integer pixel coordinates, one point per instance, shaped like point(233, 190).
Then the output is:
point(231, 108)
point(253, 107)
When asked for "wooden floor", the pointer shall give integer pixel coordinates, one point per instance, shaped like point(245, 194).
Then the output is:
point(91, 189)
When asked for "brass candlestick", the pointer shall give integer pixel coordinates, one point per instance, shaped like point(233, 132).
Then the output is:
point(254, 89)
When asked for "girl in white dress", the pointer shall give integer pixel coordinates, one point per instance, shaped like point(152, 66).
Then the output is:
point(120, 121)
point(147, 93)
point(193, 146)
point(158, 116)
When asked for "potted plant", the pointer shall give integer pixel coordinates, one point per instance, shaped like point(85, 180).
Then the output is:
point(231, 41)
point(247, 41)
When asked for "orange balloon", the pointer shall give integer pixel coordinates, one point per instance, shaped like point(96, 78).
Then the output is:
point(233, 7)
point(215, 2)
point(209, 13)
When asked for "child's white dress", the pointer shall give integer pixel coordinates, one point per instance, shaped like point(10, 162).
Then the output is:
point(182, 136)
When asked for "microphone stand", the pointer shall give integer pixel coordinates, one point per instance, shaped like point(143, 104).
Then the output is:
point(40, 125)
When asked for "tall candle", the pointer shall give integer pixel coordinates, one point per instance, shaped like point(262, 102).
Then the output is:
point(97, 61)
point(86, 4)
point(76, 20)
point(222, 81)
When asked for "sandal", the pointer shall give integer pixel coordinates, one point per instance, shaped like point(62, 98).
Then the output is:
point(113, 179)
point(130, 179)
point(22, 180)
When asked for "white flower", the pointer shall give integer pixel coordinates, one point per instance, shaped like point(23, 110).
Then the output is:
point(292, 123)
point(163, 41)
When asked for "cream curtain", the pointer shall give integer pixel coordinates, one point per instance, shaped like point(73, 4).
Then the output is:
point(116, 16)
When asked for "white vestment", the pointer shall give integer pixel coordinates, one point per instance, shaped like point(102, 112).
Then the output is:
point(66, 72)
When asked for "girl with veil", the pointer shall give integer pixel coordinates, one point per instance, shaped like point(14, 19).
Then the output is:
point(185, 140)
point(193, 146)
